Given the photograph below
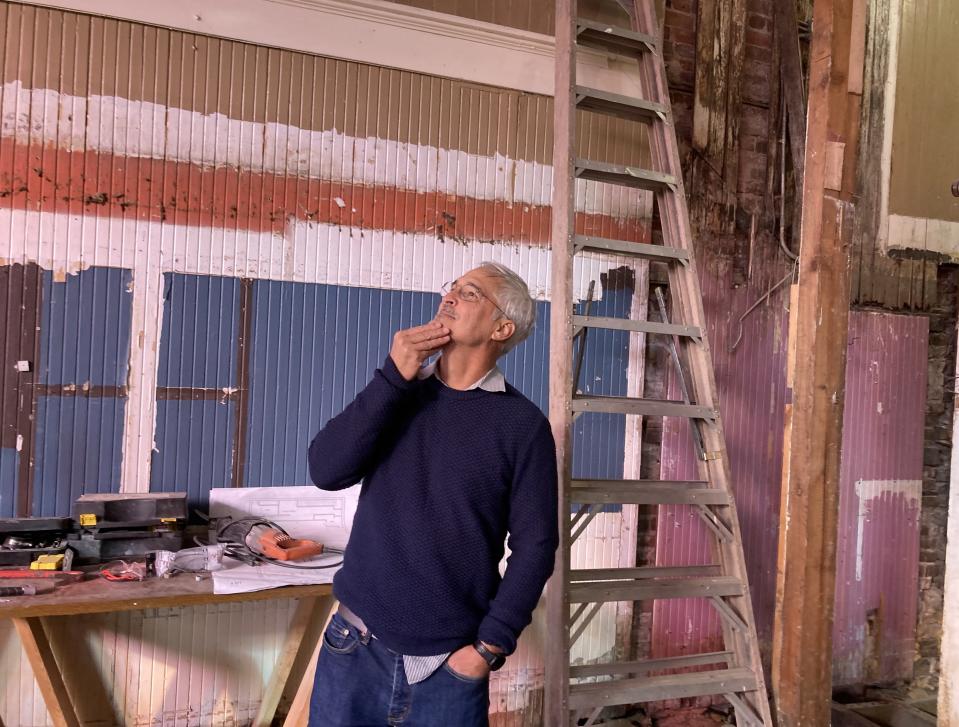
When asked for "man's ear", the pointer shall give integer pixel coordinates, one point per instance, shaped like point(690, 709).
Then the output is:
point(505, 328)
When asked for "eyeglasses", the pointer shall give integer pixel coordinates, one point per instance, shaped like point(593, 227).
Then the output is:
point(468, 293)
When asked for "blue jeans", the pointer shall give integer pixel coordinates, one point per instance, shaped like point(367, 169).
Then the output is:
point(361, 683)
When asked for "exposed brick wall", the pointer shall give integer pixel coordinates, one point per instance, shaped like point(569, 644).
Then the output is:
point(656, 367)
point(759, 43)
point(679, 53)
point(935, 480)
point(758, 108)
point(679, 48)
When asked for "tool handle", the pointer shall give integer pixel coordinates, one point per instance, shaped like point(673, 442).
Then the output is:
point(18, 591)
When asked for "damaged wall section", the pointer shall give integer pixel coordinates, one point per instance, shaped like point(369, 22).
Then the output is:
point(182, 200)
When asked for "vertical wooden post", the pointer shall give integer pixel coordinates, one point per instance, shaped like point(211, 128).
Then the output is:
point(556, 696)
point(244, 354)
point(949, 646)
point(802, 637)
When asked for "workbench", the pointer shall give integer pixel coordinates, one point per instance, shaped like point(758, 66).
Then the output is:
point(34, 617)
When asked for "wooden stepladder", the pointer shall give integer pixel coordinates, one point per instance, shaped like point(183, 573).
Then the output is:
point(579, 694)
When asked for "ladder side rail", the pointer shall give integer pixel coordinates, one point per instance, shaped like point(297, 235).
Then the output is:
point(556, 698)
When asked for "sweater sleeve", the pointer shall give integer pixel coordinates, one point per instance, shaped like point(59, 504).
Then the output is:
point(342, 452)
point(533, 538)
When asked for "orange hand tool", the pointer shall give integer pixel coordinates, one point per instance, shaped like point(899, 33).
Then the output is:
point(275, 544)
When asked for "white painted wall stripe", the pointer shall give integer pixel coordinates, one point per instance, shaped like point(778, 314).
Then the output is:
point(306, 252)
point(922, 233)
point(114, 125)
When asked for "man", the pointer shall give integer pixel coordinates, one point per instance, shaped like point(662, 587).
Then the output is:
point(452, 460)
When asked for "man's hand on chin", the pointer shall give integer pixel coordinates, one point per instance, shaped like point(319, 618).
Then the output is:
point(468, 662)
point(412, 346)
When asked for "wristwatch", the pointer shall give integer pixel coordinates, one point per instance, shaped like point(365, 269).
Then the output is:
point(494, 660)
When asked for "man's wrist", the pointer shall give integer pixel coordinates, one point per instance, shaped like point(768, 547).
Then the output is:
point(495, 659)
point(492, 647)
point(395, 376)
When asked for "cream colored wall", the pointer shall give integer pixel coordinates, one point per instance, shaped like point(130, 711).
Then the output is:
point(922, 154)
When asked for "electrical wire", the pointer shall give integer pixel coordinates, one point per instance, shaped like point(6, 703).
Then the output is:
point(121, 570)
point(782, 189)
point(754, 306)
point(241, 550)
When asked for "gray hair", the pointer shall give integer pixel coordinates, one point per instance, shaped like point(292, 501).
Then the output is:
point(516, 302)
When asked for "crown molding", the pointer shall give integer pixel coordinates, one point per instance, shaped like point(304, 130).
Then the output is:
point(379, 33)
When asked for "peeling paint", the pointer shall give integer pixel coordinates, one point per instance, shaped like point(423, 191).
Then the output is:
point(143, 130)
point(160, 207)
point(869, 490)
point(880, 498)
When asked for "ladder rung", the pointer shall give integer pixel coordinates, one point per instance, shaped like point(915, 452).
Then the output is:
point(654, 588)
point(651, 492)
point(637, 483)
point(654, 689)
point(660, 253)
point(613, 38)
point(649, 665)
point(623, 176)
point(582, 575)
point(624, 324)
point(614, 104)
point(640, 407)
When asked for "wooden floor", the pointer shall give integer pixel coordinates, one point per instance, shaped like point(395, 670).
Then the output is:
point(885, 714)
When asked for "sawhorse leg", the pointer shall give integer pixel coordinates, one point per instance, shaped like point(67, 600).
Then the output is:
point(47, 673)
point(292, 672)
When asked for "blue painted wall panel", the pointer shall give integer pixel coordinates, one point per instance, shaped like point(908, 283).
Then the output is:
point(78, 450)
point(603, 374)
point(85, 327)
point(194, 440)
point(524, 366)
point(313, 348)
point(201, 316)
point(316, 346)
point(84, 337)
point(9, 467)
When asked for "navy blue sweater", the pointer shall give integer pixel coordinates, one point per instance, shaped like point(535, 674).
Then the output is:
point(446, 474)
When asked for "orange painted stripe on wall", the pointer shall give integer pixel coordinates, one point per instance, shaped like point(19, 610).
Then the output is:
point(100, 183)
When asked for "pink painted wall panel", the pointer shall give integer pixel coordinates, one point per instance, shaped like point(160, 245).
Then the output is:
point(880, 496)
point(750, 379)
point(881, 479)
